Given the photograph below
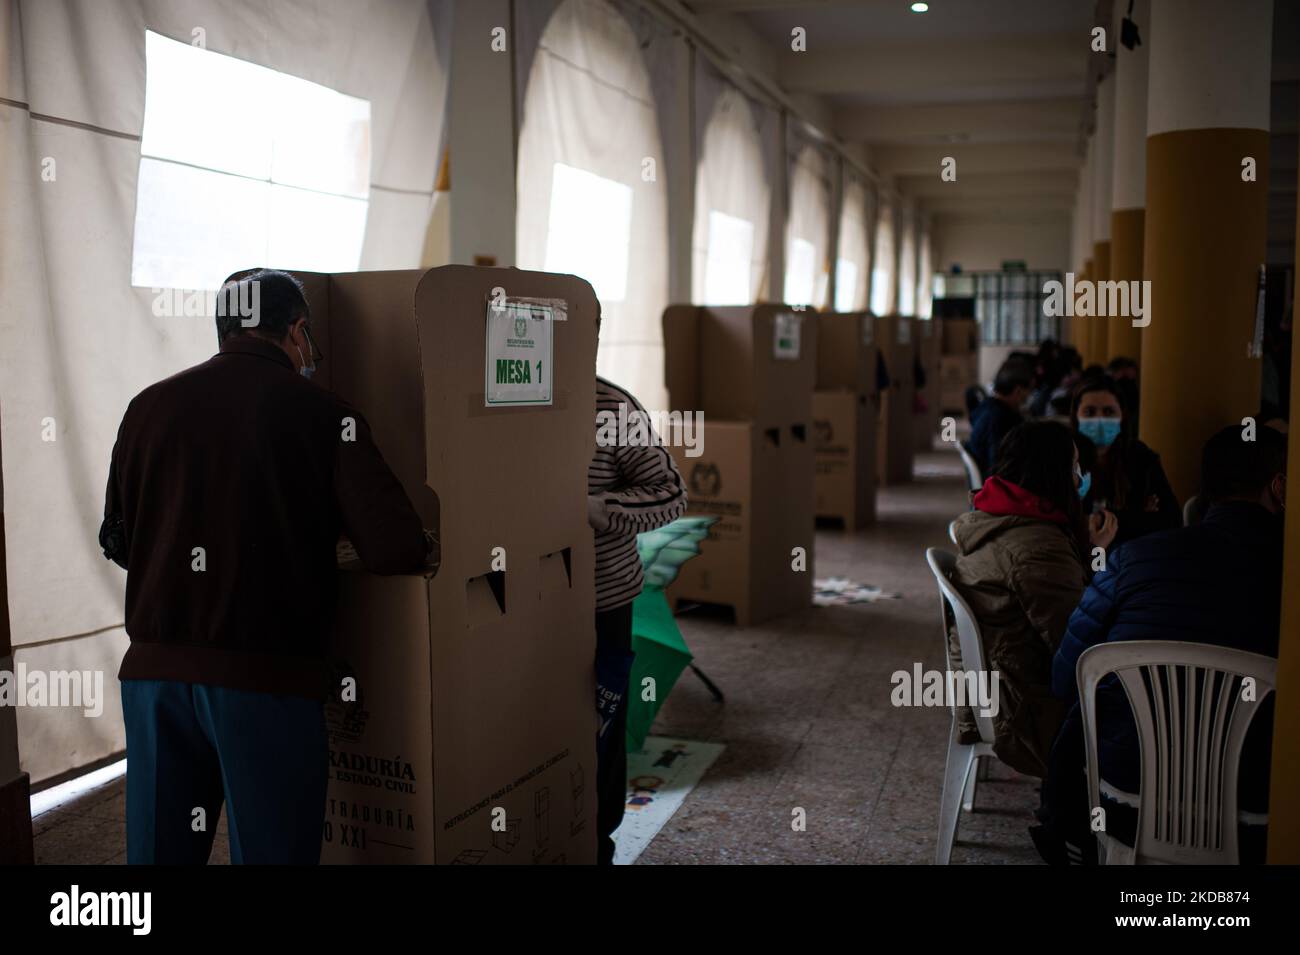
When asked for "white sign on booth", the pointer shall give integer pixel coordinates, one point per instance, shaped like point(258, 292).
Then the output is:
point(786, 332)
point(518, 369)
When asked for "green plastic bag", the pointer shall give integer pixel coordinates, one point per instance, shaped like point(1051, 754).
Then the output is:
point(661, 653)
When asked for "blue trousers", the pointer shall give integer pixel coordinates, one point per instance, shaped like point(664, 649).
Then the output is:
point(189, 747)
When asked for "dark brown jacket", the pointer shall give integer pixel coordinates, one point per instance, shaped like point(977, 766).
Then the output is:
point(229, 487)
point(1022, 577)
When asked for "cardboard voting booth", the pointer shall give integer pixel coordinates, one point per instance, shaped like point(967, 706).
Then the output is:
point(896, 443)
point(956, 374)
point(474, 685)
point(958, 364)
point(928, 347)
point(845, 410)
point(750, 370)
point(960, 336)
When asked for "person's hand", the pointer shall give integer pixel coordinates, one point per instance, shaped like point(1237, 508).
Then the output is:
point(597, 513)
point(1153, 504)
point(1102, 528)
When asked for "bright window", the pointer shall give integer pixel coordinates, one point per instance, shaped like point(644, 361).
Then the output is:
point(807, 230)
point(243, 166)
point(907, 271)
point(846, 285)
point(882, 269)
point(730, 230)
point(801, 272)
point(589, 229)
point(726, 270)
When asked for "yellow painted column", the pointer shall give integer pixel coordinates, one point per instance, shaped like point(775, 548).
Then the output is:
point(1284, 793)
point(1103, 157)
point(1207, 111)
point(1129, 179)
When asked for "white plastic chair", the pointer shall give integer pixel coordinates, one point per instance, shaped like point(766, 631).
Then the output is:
point(961, 770)
point(952, 531)
point(1192, 511)
point(1191, 721)
point(974, 480)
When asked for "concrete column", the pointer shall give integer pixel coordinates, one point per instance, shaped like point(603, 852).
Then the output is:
point(873, 196)
point(780, 200)
point(1207, 112)
point(1069, 326)
point(833, 242)
point(679, 156)
point(1129, 177)
point(1083, 326)
point(481, 131)
point(1103, 158)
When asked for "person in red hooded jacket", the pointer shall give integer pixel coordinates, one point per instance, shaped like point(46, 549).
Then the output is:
point(1022, 567)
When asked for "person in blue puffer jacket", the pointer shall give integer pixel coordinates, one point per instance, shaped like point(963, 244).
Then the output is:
point(1216, 582)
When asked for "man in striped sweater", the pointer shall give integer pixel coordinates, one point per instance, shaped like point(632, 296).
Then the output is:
point(632, 486)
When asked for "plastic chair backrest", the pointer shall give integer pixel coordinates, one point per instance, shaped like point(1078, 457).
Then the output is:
point(974, 480)
point(952, 531)
point(1189, 704)
point(1192, 511)
point(953, 608)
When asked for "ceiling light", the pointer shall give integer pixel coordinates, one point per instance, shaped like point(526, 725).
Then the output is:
point(920, 7)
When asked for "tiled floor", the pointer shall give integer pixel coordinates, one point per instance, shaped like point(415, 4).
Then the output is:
point(91, 830)
point(807, 724)
point(808, 721)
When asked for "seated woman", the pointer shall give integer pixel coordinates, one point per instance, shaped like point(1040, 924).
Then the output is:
point(1127, 479)
point(1021, 567)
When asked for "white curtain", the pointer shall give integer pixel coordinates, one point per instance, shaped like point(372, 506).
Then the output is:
point(853, 260)
point(907, 263)
point(591, 196)
point(924, 274)
point(732, 207)
point(77, 341)
point(807, 231)
point(883, 267)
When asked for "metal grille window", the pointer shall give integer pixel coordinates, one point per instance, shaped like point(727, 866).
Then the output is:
point(1008, 305)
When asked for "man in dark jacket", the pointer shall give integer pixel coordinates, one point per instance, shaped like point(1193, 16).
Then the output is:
point(999, 413)
point(1217, 582)
point(229, 487)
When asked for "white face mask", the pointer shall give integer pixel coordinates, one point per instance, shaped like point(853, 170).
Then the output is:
point(303, 368)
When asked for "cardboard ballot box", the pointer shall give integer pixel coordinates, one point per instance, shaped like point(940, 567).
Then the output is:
point(750, 371)
point(928, 341)
point(474, 686)
point(896, 441)
point(845, 409)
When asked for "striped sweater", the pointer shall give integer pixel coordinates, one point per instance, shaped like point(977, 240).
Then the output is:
point(632, 486)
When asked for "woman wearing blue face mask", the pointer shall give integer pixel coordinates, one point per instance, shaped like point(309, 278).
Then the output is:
point(1126, 478)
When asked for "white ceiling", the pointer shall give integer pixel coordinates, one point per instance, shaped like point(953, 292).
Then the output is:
point(1000, 84)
